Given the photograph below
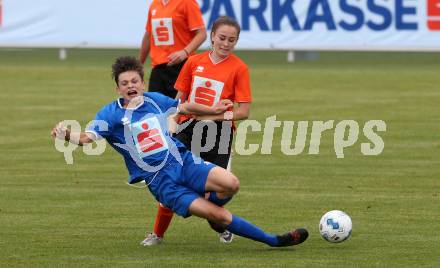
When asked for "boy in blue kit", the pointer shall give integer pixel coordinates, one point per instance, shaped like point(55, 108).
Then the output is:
point(135, 125)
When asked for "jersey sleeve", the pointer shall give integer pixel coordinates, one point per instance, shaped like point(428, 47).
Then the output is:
point(183, 82)
point(166, 104)
point(101, 125)
point(194, 15)
point(242, 87)
point(169, 104)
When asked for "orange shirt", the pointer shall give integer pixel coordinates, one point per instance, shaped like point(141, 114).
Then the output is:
point(171, 27)
point(207, 83)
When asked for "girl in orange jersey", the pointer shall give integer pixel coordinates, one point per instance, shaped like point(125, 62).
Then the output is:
point(206, 79)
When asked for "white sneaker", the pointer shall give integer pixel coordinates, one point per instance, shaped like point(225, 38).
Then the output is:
point(151, 240)
point(226, 237)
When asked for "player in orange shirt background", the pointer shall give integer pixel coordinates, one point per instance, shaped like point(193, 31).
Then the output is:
point(174, 30)
point(206, 79)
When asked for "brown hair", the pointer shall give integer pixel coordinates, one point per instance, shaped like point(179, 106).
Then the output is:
point(125, 64)
point(225, 20)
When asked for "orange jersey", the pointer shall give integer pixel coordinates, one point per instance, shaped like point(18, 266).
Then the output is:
point(207, 83)
point(171, 27)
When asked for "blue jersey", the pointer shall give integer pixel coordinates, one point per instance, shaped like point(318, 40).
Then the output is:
point(140, 134)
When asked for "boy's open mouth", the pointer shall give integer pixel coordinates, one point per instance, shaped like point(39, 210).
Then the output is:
point(132, 93)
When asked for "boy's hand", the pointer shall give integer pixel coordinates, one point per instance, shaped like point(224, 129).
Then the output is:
point(60, 131)
point(222, 106)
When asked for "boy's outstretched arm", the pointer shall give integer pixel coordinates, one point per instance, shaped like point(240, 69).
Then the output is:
point(199, 109)
point(80, 138)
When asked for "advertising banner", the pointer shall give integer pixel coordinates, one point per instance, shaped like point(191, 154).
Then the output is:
point(408, 25)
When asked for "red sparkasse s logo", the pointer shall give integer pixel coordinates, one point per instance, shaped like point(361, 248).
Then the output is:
point(162, 32)
point(150, 139)
point(205, 95)
point(434, 15)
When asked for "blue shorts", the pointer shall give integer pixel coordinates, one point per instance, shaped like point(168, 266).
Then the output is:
point(177, 186)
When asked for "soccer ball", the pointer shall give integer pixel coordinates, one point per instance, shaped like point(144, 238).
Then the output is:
point(335, 226)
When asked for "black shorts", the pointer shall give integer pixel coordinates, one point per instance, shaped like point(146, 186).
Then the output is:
point(163, 78)
point(196, 138)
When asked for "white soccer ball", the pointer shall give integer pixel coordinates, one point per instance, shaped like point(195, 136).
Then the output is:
point(335, 226)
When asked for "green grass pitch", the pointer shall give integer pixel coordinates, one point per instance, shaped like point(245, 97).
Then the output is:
point(54, 214)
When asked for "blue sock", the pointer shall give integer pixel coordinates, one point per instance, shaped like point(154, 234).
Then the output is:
point(219, 202)
point(246, 229)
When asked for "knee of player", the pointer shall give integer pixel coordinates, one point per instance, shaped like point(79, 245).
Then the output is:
point(220, 215)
